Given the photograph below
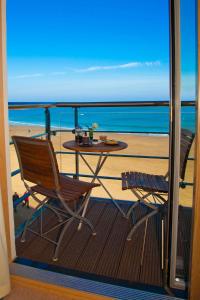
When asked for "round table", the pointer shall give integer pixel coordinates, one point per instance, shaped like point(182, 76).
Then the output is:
point(100, 147)
point(104, 151)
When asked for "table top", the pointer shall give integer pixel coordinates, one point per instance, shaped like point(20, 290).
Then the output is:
point(100, 147)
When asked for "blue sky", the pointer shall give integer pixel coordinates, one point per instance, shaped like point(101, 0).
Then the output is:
point(95, 50)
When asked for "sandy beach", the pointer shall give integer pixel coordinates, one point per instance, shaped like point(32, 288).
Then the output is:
point(137, 145)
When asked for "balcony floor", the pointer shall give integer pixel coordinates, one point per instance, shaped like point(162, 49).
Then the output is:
point(108, 256)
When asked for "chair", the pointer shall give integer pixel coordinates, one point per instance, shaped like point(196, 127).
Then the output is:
point(155, 187)
point(38, 166)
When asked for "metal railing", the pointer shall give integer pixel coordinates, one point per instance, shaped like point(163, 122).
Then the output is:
point(76, 106)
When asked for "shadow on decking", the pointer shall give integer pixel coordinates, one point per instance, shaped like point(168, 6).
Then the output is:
point(108, 256)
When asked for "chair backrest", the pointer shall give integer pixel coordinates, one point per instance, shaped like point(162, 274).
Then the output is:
point(187, 138)
point(37, 161)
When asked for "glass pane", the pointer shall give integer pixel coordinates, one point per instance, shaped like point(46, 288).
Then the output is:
point(188, 67)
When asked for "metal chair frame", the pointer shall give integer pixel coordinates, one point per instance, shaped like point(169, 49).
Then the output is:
point(158, 197)
point(66, 215)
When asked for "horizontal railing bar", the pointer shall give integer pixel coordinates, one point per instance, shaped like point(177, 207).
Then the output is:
point(91, 176)
point(21, 199)
point(29, 106)
point(183, 183)
point(33, 136)
point(118, 155)
point(116, 131)
point(122, 104)
point(100, 104)
point(15, 172)
point(114, 155)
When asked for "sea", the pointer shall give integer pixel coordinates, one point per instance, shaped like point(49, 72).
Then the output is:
point(143, 120)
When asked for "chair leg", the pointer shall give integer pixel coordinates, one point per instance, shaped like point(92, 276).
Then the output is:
point(55, 257)
point(131, 208)
point(45, 201)
point(77, 216)
point(84, 207)
point(87, 222)
point(162, 243)
point(144, 242)
point(39, 206)
point(28, 220)
point(140, 199)
point(60, 219)
point(142, 220)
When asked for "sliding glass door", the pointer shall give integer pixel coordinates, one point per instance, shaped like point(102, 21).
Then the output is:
point(182, 117)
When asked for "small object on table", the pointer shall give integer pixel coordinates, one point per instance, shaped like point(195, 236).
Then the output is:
point(95, 141)
point(103, 137)
point(91, 130)
point(91, 133)
point(111, 142)
point(78, 135)
point(86, 140)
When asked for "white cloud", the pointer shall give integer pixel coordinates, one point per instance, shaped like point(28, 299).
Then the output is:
point(129, 65)
point(134, 64)
point(27, 76)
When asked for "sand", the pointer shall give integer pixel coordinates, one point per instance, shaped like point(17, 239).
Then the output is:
point(137, 145)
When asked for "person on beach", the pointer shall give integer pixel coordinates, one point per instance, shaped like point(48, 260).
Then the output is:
point(26, 200)
point(15, 197)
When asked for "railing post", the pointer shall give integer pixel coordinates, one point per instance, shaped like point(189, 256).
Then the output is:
point(77, 153)
point(47, 123)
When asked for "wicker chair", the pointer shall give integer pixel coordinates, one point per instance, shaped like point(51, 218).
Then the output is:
point(38, 166)
point(150, 189)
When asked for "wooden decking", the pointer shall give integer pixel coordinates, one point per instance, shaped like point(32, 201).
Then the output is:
point(109, 255)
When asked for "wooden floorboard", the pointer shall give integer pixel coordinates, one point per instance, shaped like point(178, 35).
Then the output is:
point(109, 254)
point(133, 250)
point(33, 241)
point(113, 248)
point(152, 255)
point(184, 238)
point(80, 239)
point(95, 247)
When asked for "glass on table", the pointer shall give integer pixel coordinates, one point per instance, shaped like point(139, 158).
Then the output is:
point(78, 135)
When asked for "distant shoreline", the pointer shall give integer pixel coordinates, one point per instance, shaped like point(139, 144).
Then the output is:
point(23, 124)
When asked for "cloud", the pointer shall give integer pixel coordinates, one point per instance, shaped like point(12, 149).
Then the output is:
point(129, 65)
point(35, 75)
point(27, 76)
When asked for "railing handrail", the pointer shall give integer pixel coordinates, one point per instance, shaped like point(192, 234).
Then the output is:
point(118, 155)
point(29, 106)
point(99, 104)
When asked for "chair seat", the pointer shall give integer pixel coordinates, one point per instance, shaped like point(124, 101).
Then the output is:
point(71, 189)
point(146, 182)
point(76, 185)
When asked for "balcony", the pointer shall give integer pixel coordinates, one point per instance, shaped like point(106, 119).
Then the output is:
point(108, 257)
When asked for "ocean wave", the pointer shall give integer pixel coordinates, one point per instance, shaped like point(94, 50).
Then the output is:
point(25, 123)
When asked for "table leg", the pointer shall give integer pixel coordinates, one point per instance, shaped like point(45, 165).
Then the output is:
point(96, 172)
point(100, 163)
